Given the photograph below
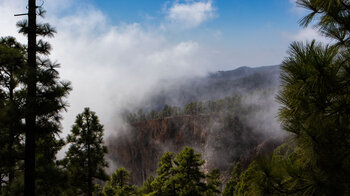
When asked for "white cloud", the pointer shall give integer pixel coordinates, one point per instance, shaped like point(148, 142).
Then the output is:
point(307, 34)
point(191, 14)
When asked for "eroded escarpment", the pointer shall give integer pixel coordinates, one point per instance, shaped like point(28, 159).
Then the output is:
point(221, 141)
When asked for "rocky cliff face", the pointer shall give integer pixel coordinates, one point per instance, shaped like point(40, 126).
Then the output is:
point(222, 141)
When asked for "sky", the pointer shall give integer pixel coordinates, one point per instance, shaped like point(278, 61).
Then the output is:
point(117, 52)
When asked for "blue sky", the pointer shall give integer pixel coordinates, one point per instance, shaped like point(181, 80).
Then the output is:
point(117, 52)
point(237, 21)
point(248, 26)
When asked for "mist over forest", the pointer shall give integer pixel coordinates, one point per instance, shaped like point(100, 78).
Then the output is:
point(182, 97)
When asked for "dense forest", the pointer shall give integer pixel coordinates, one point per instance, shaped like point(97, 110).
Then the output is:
point(315, 106)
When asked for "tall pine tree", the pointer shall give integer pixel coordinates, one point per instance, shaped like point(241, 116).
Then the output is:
point(41, 98)
point(85, 158)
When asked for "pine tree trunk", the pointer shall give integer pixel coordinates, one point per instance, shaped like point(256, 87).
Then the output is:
point(10, 150)
point(89, 158)
point(29, 162)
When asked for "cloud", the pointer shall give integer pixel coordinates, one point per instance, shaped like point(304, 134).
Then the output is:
point(115, 67)
point(306, 34)
point(191, 14)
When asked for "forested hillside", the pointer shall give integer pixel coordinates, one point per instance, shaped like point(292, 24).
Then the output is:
point(209, 127)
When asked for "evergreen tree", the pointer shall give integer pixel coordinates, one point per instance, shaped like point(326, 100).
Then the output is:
point(213, 183)
point(153, 114)
point(182, 175)
point(235, 178)
point(147, 188)
point(85, 158)
point(194, 108)
point(315, 108)
point(164, 171)
point(141, 116)
point(188, 176)
point(331, 17)
point(49, 101)
point(11, 67)
point(119, 184)
point(166, 112)
point(44, 93)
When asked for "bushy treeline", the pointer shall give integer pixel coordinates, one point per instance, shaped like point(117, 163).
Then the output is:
point(315, 111)
point(211, 107)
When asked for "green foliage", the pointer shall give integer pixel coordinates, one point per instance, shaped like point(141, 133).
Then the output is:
point(232, 183)
point(182, 175)
point(147, 188)
point(51, 92)
point(193, 108)
point(226, 106)
point(119, 184)
point(315, 108)
point(97, 190)
point(188, 174)
point(331, 17)
point(164, 172)
point(213, 183)
point(85, 157)
point(166, 111)
point(11, 104)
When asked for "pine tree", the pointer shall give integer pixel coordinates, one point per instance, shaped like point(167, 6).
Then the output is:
point(164, 171)
point(213, 183)
point(188, 175)
point(147, 188)
point(235, 178)
point(11, 68)
point(85, 158)
point(119, 184)
point(50, 94)
point(331, 17)
point(315, 100)
point(182, 175)
point(44, 93)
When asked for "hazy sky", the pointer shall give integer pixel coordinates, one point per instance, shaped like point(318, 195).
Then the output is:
point(115, 52)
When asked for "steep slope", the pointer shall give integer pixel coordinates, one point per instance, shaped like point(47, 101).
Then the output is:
point(220, 143)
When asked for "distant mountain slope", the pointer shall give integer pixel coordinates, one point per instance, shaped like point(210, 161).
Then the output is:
point(214, 86)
